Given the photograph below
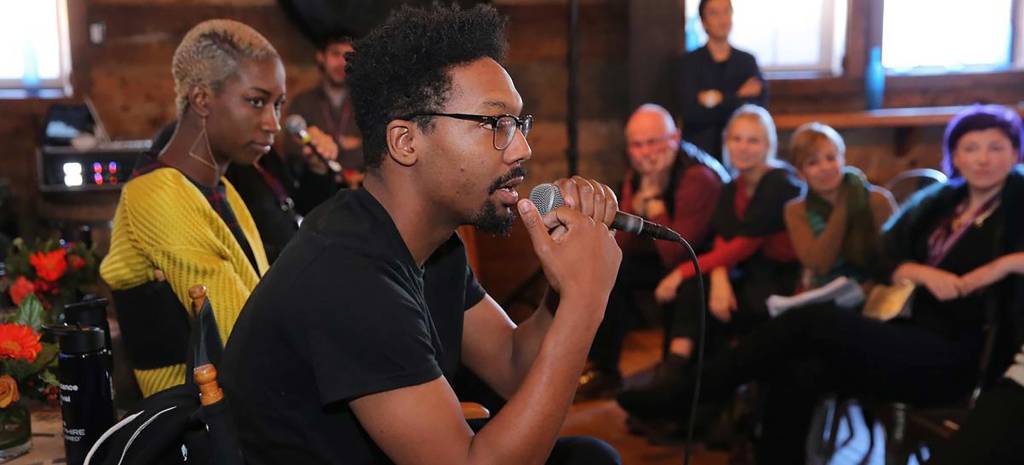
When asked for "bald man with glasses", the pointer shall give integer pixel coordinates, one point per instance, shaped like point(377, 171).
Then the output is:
point(670, 182)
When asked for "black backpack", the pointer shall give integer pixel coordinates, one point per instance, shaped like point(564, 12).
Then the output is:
point(172, 426)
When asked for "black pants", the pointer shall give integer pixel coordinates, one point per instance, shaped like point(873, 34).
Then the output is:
point(638, 272)
point(993, 433)
point(810, 351)
point(582, 450)
point(752, 284)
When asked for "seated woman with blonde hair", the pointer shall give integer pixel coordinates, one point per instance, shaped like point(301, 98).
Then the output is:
point(752, 256)
point(178, 217)
point(837, 222)
point(962, 244)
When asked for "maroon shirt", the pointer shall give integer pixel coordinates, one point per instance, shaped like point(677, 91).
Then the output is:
point(695, 198)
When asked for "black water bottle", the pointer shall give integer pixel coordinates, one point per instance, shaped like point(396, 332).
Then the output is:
point(86, 400)
point(91, 312)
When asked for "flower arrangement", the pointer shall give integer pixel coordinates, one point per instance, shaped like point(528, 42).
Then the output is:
point(20, 350)
point(39, 280)
point(55, 272)
point(26, 362)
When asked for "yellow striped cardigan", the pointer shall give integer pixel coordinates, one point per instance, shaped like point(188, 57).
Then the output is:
point(165, 222)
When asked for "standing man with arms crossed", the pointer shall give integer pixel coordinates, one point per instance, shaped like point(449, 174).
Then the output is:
point(716, 79)
point(346, 350)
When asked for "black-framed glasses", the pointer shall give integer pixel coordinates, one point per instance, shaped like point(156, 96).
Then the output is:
point(504, 126)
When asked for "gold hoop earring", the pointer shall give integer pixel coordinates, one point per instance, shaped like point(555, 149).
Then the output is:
point(192, 150)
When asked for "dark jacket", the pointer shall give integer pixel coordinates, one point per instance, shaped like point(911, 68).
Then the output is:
point(698, 71)
point(905, 239)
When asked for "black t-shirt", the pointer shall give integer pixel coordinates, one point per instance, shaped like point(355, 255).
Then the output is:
point(344, 312)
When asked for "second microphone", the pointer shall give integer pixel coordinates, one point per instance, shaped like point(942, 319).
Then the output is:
point(296, 125)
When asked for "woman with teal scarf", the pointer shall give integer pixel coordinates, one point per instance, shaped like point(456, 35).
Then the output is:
point(835, 226)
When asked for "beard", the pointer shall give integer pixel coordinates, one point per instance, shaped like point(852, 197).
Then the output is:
point(488, 219)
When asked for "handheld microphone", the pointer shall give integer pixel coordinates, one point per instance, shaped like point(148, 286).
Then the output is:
point(548, 197)
point(296, 125)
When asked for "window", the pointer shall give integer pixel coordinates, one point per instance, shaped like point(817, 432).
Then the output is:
point(783, 42)
point(36, 51)
point(957, 36)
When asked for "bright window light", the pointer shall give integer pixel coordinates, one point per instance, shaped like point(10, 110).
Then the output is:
point(35, 53)
point(781, 40)
point(955, 35)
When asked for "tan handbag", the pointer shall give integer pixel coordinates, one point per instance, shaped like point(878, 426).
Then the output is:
point(887, 302)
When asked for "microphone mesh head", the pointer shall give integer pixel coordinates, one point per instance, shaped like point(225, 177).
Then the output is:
point(546, 197)
point(295, 123)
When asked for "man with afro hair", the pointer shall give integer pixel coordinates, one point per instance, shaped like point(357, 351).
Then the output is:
point(346, 352)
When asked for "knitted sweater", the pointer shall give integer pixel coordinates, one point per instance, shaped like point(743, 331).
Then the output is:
point(164, 222)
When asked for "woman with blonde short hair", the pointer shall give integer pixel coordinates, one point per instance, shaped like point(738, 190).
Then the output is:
point(179, 222)
point(838, 220)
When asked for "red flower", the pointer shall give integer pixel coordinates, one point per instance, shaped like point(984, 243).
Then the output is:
point(76, 262)
point(19, 342)
point(49, 266)
point(21, 288)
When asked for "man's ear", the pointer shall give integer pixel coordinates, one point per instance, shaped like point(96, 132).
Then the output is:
point(199, 100)
point(320, 58)
point(402, 138)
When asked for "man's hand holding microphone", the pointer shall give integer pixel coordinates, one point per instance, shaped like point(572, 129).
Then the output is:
point(577, 250)
point(318, 148)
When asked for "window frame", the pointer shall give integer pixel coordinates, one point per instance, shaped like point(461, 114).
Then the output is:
point(61, 85)
point(830, 59)
point(845, 92)
point(1015, 53)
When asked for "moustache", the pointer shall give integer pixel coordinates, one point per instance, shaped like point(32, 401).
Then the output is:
point(516, 172)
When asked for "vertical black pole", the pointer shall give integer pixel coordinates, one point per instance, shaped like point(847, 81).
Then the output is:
point(573, 58)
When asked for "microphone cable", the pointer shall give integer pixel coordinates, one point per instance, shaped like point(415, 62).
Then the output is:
point(695, 400)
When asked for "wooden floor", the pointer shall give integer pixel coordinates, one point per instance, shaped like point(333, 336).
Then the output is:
point(605, 420)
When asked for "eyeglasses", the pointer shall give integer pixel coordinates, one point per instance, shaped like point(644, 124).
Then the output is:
point(504, 126)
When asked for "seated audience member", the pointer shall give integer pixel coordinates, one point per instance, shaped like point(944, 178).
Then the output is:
point(961, 243)
point(751, 257)
point(328, 106)
point(348, 347)
point(716, 80)
point(838, 221)
point(670, 182)
point(178, 218)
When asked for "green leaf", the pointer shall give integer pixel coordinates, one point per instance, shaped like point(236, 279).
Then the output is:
point(18, 264)
point(30, 313)
point(21, 369)
point(49, 378)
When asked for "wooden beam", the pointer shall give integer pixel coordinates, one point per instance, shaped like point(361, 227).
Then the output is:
point(883, 118)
